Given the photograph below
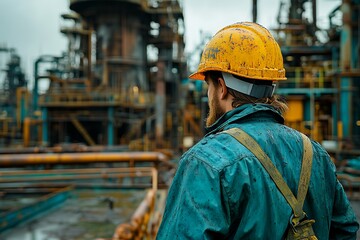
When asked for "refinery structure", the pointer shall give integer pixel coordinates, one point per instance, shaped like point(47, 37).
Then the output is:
point(105, 90)
point(119, 100)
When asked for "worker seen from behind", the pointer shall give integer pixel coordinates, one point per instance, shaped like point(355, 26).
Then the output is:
point(252, 177)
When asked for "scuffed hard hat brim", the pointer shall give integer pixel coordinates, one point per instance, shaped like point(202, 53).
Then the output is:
point(200, 75)
point(197, 76)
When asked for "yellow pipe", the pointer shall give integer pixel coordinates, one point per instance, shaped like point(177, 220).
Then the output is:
point(340, 134)
point(138, 225)
point(340, 130)
point(70, 158)
point(148, 170)
point(26, 132)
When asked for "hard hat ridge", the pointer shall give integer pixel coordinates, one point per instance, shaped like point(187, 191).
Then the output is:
point(243, 49)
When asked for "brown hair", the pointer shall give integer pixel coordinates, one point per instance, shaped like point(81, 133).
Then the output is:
point(275, 101)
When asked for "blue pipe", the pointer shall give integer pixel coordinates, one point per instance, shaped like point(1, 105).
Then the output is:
point(110, 126)
point(45, 136)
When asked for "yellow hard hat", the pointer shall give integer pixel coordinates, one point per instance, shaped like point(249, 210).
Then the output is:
point(243, 49)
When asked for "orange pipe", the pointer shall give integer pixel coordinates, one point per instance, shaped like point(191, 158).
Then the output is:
point(26, 132)
point(138, 225)
point(26, 129)
point(70, 158)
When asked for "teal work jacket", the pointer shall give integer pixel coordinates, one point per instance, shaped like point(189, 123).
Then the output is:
point(221, 190)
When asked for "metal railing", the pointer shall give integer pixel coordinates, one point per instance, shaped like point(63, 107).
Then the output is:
point(308, 77)
point(144, 221)
point(99, 98)
point(109, 177)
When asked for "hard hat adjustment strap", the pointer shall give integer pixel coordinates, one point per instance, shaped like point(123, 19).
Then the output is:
point(248, 88)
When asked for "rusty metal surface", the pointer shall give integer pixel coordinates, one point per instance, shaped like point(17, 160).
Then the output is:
point(87, 214)
point(29, 184)
point(145, 220)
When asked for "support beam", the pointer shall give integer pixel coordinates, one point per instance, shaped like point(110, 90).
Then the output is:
point(82, 131)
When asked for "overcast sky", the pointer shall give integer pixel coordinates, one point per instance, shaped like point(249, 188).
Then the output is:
point(32, 26)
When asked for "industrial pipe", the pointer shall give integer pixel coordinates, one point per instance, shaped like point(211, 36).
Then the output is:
point(138, 228)
point(66, 148)
point(9, 160)
point(254, 10)
point(26, 131)
point(41, 59)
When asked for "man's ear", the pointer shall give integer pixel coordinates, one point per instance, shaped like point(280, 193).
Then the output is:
point(222, 88)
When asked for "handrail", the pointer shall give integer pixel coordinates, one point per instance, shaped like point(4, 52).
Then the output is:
point(140, 220)
point(144, 222)
point(73, 158)
point(68, 176)
point(308, 77)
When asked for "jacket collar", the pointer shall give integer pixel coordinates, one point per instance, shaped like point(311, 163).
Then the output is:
point(243, 112)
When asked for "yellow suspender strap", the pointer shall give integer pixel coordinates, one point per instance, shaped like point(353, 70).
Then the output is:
point(295, 203)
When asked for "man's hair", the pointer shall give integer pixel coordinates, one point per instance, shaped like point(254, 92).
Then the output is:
point(275, 101)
